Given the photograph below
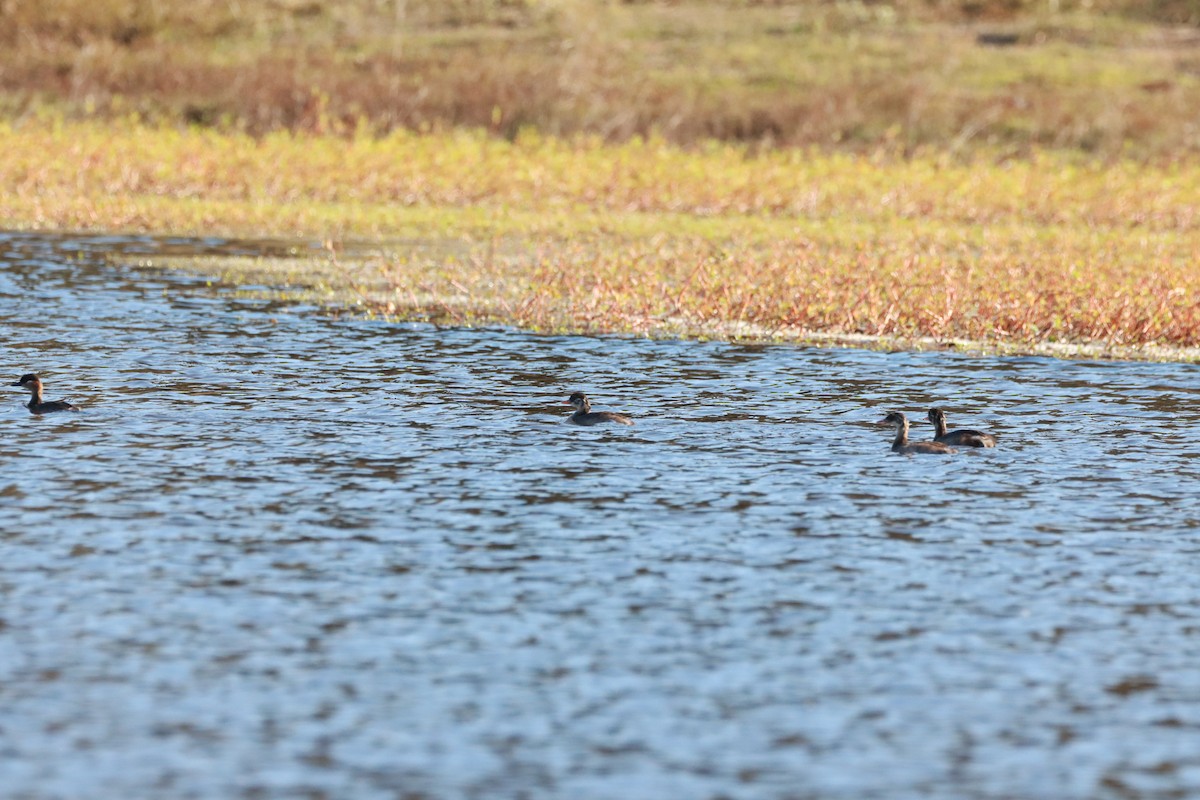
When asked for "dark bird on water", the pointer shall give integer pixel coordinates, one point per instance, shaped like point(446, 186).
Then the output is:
point(585, 416)
point(901, 444)
point(962, 437)
point(36, 405)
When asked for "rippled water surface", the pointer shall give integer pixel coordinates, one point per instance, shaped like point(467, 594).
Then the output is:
point(282, 555)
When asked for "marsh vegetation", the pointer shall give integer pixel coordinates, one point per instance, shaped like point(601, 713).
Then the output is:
point(1006, 172)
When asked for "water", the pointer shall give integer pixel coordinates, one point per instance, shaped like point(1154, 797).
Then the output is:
point(280, 555)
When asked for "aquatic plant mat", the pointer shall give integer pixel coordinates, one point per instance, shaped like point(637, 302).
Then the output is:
point(648, 238)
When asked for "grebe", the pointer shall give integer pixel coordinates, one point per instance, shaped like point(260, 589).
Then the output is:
point(900, 443)
point(585, 416)
point(961, 437)
point(36, 405)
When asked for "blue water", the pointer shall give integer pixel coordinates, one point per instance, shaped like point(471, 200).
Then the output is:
point(280, 554)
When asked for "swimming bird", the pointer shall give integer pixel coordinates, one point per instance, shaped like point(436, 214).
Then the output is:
point(961, 437)
point(36, 405)
point(900, 443)
point(585, 416)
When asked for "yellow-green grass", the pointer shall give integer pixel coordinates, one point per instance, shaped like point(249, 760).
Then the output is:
point(650, 238)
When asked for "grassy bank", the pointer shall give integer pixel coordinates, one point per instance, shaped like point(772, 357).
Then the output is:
point(646, 237)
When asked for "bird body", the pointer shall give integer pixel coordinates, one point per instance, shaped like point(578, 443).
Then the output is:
point(901, 444)
point(585, 416)
point(962, 437)
point(36, 405)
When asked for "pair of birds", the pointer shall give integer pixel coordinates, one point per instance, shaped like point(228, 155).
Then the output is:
point(942, 439)
point(583, 408)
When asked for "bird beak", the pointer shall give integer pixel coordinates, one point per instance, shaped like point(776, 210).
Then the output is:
point(882, 421)
point(15, 383)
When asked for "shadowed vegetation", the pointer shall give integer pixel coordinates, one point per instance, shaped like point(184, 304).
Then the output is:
point(1105, 76)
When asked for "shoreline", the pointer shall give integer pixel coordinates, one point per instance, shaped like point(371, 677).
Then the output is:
point(308, 279)
point(465, 311)
point(1037, 256)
